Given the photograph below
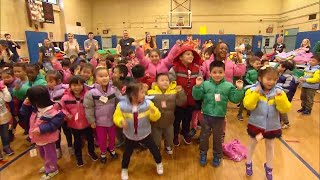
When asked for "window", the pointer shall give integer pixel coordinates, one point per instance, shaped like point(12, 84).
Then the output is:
point(51, 1)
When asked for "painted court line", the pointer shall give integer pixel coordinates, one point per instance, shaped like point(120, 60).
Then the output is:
point(300, 158)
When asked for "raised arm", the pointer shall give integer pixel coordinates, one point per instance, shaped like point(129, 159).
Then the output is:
point(144, 61)
point(172, 53)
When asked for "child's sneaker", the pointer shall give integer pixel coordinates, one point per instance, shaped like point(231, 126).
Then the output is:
point(301, 110)
point(249, 170)
point(112, 153)
point(8, 151)
point(103, 158)
point(42, 170)
point(285, 126)
point(124, 174)
point(192, 132)
point(93, 156)
point(187, 139)
point(216, 161)
point(160, 168)
point(268, 172)
point(176, 141)
point(80, 162)
point(169, 150)
point(71, 151)
point(203, 159)
point(306, 112)
point(240, 118)
point(49, 175)
point(59, 153)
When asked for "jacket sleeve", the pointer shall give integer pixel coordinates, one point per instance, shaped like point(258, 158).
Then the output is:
point(315, 78)
point(144, 61)
point(6, 95)
point(169, 59)
point(40, 82)
point(181, 98)
point(156, 115)
point(52, 125)
point(239, 69)
point(118, 117)
point(251, 99)
point(236, 95)
point(286, 84)
point(198, 92)
point(283, 105)
point(64, 109)
point(22, 92)
point(247, 78)
point(88, 104)
point(172, 74)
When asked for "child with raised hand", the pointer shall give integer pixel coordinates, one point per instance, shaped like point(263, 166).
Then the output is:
point(45, 122)
point(134, 113)
point(265, 100)
point(5, 117)
point(100, 104)
point(72, 107)
point(185, 70)
point(215, 93)
point(289, 83)
point(166, 96)
point(56, 91)
point(310, 84)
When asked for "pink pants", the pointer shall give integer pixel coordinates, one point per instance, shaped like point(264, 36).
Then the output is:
point(196, 117)
point(102, 133)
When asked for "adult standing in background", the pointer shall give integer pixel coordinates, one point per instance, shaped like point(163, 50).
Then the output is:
point(124, 45)
point(149, 43)
point(46, 51)
point(71, 47)
point(90, 46)
point(5, 53)
point(12, 46)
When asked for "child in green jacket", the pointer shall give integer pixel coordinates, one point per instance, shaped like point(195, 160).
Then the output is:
point(215, 93)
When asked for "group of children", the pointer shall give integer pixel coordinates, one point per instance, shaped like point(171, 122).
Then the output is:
point(139, 103)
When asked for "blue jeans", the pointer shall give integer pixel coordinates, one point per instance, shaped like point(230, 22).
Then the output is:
point(4, 133)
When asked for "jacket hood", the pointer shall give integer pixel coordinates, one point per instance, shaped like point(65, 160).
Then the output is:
point(196, 57)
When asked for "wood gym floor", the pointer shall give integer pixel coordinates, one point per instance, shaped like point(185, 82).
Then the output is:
point(296, 156)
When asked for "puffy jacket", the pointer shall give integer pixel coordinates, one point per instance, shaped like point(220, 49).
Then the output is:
point(289, 83)
point(171, 98)
point(5, 97)
point(22, 92)
point(66, 75)
point(312, 76)
point(265, 108)
point(251, 77)
point(15, 103)
point(48, 123)
point(124, 113)
point(208, 91)
point(74, 110)
point(162, 66)
point(57, 92)
point(186, 75)
point(231, 69)
point(100, 105)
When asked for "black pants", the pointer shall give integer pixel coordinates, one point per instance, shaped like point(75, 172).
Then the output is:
point(130, 145)
point(184, 115)
point(77, 134)
point(67, 133)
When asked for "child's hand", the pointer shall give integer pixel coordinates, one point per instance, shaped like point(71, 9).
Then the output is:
point(239, 84)
point(258, 88)
point(178, 42)
point(36, 131)
point(302, 80)
point(145, 87)
point(2, 86)
point(278, 92)
point(199, 81)
point(93, 125)
point(135, 44)
point(124, 124)
point(178, 88)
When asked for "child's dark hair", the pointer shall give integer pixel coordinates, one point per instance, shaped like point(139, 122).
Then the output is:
point(56, 75)
point(217, 64)
point(138, 71)
point(133, 89)
point(264, 61)
point(66, 62)
point(316, 56)
point(99, 69)
point(76, 80)
point(155, 50)
point(39, 96)
point(130, 52)
point(287, 65)
point(35, 66)
point(80, 54)
point(19, 64)
point(259, 54)
point(123, 70)
point(73, 57)
point(110, 58)
point(253, 59)
point(87, 66)
point(161, 74)
point(267, 70)
point(123, 62)
point(8, 71)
